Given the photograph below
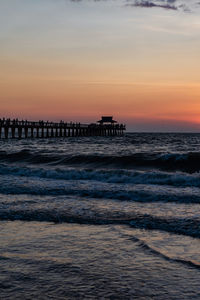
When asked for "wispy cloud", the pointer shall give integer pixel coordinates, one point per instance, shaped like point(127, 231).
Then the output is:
point(176, 5)
point(169, 4)
point(183, 5)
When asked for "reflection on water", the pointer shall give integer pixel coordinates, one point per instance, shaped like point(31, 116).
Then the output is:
point(42, 260)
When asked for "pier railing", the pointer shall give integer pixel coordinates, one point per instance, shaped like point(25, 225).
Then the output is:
point(44, 129)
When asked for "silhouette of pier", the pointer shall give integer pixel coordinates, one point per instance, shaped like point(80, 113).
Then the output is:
point(44, 129)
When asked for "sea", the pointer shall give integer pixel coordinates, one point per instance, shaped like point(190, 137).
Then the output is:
point(100, 217)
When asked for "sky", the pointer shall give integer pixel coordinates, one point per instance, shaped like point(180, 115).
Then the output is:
point(136, 60)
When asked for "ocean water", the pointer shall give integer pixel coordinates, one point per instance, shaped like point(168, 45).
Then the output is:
point(100, 217)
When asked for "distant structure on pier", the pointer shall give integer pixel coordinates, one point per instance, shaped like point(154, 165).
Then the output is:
point(44, 129)
point(107, 120)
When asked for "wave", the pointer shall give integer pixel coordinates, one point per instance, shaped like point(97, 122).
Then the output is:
point(176, 179)
point(184, 226)
point(188, 162)
point(156, 252)
point(25, 155)
point(143, 194)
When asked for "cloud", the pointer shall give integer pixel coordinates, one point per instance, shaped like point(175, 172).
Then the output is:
point(170, 4)
point(176, 5)
point(182, 5)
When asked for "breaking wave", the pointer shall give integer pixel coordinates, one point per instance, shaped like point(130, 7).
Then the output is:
point(119, 192)
point(188, 162)
point(188, 227)
point(105, 175)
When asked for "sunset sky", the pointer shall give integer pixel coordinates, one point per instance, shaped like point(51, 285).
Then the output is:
point(77, 60)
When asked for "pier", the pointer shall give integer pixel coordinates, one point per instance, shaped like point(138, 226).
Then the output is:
point(44, 129)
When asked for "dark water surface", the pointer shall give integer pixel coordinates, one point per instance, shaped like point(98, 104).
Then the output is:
point(100, 218)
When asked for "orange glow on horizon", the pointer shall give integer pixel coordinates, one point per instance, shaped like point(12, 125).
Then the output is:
point(62, 100)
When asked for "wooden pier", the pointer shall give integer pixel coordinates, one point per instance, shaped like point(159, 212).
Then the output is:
point(28, 129)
